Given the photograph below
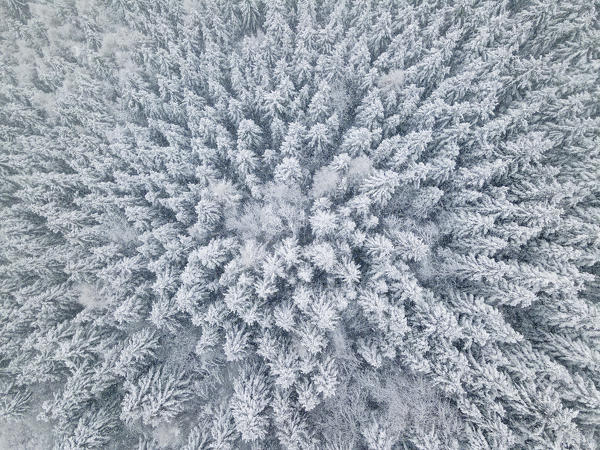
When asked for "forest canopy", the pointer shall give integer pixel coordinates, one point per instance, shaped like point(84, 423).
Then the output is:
point(299, 224)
